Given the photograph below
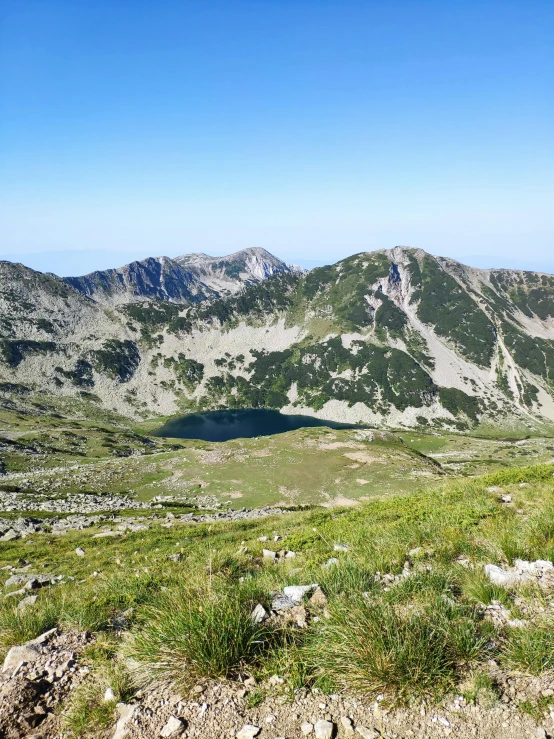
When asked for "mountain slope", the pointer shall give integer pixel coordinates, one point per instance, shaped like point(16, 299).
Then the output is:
point(395, 337)
point(188, 279)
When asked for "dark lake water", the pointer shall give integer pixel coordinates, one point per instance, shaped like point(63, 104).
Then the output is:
point(225, 425)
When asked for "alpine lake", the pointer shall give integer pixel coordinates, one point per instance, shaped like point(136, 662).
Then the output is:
point(239, 424)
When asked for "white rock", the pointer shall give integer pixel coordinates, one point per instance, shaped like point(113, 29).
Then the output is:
point(340, 548)
point(366, 733)
point(248, 732)
point(498, 576)
point(306, 728)
point(109, 695)
point(125, 713)
point(80, 552)
point(269, 554)
point(27, 602)
point(259, 614)
point(25, 653)
point(331, 561)
point(297, 592)
point(323, 729)
point(174, 727)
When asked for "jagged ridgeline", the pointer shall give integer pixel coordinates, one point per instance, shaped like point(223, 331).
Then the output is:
point(395, 337)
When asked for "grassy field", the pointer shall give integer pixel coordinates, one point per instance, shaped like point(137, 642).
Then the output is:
point(308, 466)
point(420, 635)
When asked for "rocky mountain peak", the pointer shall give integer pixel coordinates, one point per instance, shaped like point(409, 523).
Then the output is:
point(187, 279)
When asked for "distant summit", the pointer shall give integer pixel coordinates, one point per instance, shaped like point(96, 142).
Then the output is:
point(191, 278)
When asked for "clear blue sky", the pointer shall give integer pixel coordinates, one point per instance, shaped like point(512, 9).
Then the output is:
point(313, 128)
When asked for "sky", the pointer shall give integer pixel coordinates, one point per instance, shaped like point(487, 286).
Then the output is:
point(313, 128)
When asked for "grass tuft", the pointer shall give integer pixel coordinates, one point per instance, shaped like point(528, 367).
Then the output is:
point(193, 635)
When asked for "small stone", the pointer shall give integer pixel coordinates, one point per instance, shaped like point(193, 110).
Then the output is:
point(331, 561)
point(10, 535)
point(175, 557)
point(299, 615)
point(125, 713)
point(174, 727)
point(340, 548)
point(259, 614)
point(318, 597)
point(306, 728)
point(248, 732)
point(268, 554)
point(324, 729)
point(25, 653)
point(347, 726)
point(297, 592)
point(26, 603)
point(109, 695)
point(366, 733)
point(80, 552)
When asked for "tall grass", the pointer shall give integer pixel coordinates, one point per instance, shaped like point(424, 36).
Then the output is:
point(529, 650)
point(195, 634)
point(404, 648)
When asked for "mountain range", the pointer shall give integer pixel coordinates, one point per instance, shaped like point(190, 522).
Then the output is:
point(396, 338)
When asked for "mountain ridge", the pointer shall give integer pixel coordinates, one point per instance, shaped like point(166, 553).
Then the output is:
point(395, 337)
point(189, 278)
